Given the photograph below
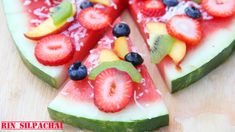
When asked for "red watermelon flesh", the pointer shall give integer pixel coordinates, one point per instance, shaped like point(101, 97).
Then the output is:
point(83, 90)
point(82, 38)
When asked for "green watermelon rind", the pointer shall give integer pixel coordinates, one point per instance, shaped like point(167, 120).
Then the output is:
point(36, 71)
point(15, 17)
point(110, 126)
point(180, 82)
point(40, 74)
point(200, 72)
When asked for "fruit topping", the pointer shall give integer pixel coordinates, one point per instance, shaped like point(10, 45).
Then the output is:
point(156, 28)
point(113, 90)
point(54, 50)
point(170, 3)
point(160, 47)
point(55, 24)
point(185, 28)
point(178, 51)
point(107, 55)
point(219, 8)
point(77, 71)
point(121, 29)
point(197, 1)
point(121, 47)
point(153, 8)
point(86, 4)
point(94, 18)
point(120, 65)
point(104, 2)
point(193, 12)
point(134, 58)
point(62, 12)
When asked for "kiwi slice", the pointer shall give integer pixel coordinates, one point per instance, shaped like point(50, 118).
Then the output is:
point(62, 12)
point(160, 46)
point(120, 65)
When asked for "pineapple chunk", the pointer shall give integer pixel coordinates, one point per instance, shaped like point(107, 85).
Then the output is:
point(178, 51)
point(107, 55)
point(156, 28)
point(121, 47)
point(104, 2)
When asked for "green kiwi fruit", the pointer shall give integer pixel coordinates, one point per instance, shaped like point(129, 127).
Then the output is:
point(120, 65)
point(160, 47)
point(62, 12)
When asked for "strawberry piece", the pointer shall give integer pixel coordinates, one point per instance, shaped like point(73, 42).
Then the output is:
point(185, 29)
point(94, 19)
point(54, 50)
point(153, 8)
point(113, 90)
point(219, 8)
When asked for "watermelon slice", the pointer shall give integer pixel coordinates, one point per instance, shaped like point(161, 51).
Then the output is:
point(20, 21)
point(217, 45)
point(74, 105)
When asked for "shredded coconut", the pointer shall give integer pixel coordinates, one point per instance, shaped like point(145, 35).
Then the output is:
point(39, 12)
point(141, 94)
point(136, 102)
point(78, 3)
point(92, 51)
point(131, 2)
point(92, 95)
point(73, 27)
point(89, 82)
point(157, 90)
point(180, 9)
point(146, 91)
point(56, 2)
point(106, 42)
point(36, 21)
point(100, 6)
point(27, 2)
point(78, 34)
point(113, 4)
point(48, 2)
point(66, 33)
point(93, 60)
point(65, 93)
point(147, 105)
point(70, 19)
point(143, 82)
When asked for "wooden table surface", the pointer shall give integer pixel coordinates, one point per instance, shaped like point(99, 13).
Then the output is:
point(206, 106)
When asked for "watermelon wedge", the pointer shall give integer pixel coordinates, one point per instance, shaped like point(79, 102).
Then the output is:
point(215, 47)
point(74, 104)
point(23, 15)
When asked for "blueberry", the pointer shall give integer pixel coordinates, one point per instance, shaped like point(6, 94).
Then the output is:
point(86, 4)
point(77, 71)
point(121, 29)
point(134, 58)
point(170, 3)
point(193, 12)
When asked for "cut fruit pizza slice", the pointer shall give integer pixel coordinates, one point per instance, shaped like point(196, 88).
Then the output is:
point(50, 35)
point(192, 38)
point(112, 90)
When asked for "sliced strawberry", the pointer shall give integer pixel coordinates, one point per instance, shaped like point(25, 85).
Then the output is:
point(219, 8)
point(153, 8)
point(54, 50)
point(93, 18)
point(185, 29)
point(113, 90)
